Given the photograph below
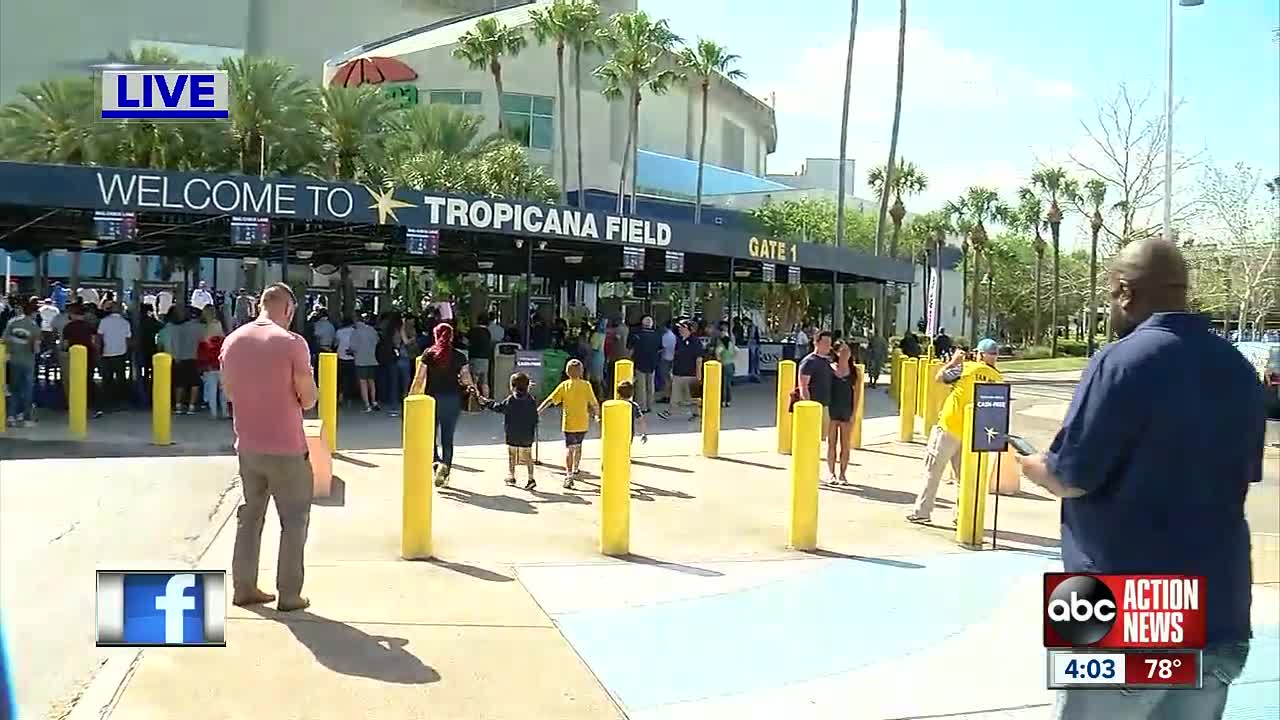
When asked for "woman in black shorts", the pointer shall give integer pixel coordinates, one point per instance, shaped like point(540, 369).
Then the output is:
point(844, 398)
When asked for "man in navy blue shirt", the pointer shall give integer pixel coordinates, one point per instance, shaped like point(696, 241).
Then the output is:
point(1153, 463)
point(646, 348)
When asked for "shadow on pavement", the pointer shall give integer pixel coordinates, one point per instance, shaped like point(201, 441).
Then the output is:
point(350, 651)
point(504, 503)
point(832, 554)
point(874, 450)
point(668, 468)
point(740, 461)
point(354, 461)
point(678, 567)
point(478, 573)
point(1027, 539)
point(897, 497)
point(337, 495)
point(20, 448)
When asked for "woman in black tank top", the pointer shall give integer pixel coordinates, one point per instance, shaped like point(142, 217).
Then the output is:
point(844, 397)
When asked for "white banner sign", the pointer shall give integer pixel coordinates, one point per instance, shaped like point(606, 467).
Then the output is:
point(931, 328)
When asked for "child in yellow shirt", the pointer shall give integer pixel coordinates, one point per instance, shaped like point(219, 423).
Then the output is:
point(578, 404)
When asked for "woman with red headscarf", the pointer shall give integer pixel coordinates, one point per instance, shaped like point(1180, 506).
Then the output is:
point(444, 375)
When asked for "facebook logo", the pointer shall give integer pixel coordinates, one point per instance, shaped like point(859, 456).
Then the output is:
point(151, 608)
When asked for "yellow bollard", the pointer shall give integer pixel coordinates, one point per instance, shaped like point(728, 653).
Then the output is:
point(4, 385)
point(615, 479)
point(859, 407)
point(329, 399)
point(711, 378)
point(161, 398)
point(922, 382)
point(806, 444)
point(934, 395)
point(623, 370)
point(971, 495)
point(906, 407)
point(786, 381)
point(895, 373)
point(419, 442)
point(77, 393)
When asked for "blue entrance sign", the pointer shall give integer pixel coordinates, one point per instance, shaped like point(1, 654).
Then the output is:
point(990, 417)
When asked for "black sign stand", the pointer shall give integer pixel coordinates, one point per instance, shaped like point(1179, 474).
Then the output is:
point(991, 412)
point(995, 517)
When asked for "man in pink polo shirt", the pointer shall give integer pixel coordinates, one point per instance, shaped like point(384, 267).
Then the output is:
point(266, 371)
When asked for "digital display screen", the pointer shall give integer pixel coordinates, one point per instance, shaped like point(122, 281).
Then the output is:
point(793, 275)
point(250, 230)
point(422, 241)
point(675, 261)
point(115, 226)
point(632, 258)
point(767, 272)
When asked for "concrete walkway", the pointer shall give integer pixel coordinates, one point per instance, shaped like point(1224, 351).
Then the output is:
point(711, 618)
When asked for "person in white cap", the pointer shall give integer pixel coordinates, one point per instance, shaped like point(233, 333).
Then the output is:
point(201, 297)
point(945, 440)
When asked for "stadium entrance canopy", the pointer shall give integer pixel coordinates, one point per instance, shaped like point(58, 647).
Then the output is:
point(307, 221)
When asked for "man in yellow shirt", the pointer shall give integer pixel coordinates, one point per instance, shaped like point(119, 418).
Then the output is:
point(946, 440)
point(578, 403)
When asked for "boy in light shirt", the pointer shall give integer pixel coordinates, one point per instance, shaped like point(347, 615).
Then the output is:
point(578, 404)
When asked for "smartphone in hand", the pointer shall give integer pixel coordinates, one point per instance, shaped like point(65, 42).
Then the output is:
point(1020, 445)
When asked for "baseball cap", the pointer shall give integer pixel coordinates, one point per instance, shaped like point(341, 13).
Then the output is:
point(987, 345)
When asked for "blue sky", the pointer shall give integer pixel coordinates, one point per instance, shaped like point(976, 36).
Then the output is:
point(994, 87)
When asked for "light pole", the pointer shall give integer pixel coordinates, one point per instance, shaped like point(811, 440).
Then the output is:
point(1168, 120)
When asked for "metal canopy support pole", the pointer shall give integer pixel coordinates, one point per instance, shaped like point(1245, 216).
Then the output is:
point(528, 295)
point(835, 302)
point(732, 282)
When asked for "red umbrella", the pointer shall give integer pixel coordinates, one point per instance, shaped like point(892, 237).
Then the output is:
point(372, 71)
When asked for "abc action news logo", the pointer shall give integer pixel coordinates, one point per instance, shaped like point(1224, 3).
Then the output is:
point(1123, 611)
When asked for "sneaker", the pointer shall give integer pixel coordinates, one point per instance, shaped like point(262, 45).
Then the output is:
point(393, 414)
point(28, 423)
point(368, 409)
point(98, 413)
point(11, 422)
point(377, 407)
point(917, 519)
point(531, 485)
point(664, 414)
point(444, 477)
point(191, 410)
point(511, 481)
point(568, 481)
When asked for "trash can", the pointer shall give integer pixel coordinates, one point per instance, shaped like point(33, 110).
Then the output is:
point(503, 367)
point(553, 362)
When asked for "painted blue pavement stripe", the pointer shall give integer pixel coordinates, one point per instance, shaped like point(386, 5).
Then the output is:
point(845, 615)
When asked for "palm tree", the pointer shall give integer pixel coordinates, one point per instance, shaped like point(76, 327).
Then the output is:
point(485, 45)
point(930, 230)
point(1029, 216)
point(957, 213)
point(53, 122)
point(982, 205)
point(638, 47)
point(704, 61)
point(1095, 191)
point(580, 28)
point(352, 127)
point(550, 25)
point(270, 107)
point(907, 180)
point(1055, 182)
point(893, 149)
point(844, 141)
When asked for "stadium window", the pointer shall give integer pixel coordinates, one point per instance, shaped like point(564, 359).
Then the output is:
point(455, 97)
point(528, 119)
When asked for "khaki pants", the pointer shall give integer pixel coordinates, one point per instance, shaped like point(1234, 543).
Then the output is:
point(517, 456)
point(682, 393)
point(644, 391)
point(286, 479)
point(943, 448)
